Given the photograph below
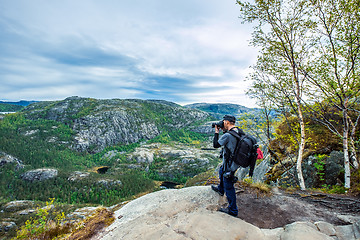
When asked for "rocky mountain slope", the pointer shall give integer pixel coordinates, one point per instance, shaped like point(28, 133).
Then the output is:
point(101, 123)
point(82, 150)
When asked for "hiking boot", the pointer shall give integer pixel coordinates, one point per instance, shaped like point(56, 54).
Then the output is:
point(226, 210)
point(216, 189)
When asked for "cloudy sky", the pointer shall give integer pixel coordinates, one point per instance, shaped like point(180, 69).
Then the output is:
point(182, 51)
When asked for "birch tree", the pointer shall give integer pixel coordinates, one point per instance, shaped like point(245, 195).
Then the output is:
point(283, 33)
point(335, 69)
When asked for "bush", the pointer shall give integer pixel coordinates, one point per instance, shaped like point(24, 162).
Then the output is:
point(46, 225)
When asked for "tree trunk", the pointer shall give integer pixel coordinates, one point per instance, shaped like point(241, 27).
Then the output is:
point(301, 151)
point(353, 157)
point(302, 134)
point(346, 150)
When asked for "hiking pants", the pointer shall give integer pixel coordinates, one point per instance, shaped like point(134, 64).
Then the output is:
point(227, 185)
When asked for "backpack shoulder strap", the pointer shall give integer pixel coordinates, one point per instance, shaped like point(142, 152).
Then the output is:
point(235, 134)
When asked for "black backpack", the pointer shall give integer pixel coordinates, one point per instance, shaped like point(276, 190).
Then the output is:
point(245, 153)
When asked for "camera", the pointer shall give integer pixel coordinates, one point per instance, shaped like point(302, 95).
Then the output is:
point(219, 124)
point(228, 174)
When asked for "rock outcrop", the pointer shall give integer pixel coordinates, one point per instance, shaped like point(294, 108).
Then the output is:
point(180, 159)
point(187, 213)
point(8, 159)
point(18, 205)
point(6, 226)
point(330, 175)
point(76, 176)
point(40, 174)
point(191, 213)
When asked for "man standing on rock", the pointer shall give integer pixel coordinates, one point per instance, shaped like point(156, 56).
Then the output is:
point(227, 170)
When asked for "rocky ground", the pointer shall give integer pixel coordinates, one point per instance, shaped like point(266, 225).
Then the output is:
point(191, 213)
point(282, 207)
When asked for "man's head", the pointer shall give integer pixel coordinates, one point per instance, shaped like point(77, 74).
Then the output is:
point(229, 121)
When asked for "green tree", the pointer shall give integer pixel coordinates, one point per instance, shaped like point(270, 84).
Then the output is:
point(334, 70)
point(283, 33)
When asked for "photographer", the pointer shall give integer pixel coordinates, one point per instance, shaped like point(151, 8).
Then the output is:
point(228, 168)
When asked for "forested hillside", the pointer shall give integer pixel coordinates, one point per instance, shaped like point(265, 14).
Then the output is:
point(9, 107)
point(82, 150)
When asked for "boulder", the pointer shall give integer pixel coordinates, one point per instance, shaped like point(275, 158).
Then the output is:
point(6, 226)
point(26, 212)
point(301, 231)
point(345, 232)
point(39, 174)
point(18, 205)
point(142, 155)
point(181, 160)
point(326, 228)
point(187, 213)
point(75, 176)
point(81, 213)
point(333, 167)
point(108, 182)
point(8, 159)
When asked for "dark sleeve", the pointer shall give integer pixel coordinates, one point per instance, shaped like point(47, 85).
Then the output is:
point(215, 141)
point(252, 167)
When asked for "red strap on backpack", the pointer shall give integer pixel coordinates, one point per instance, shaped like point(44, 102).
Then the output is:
point(260, 154)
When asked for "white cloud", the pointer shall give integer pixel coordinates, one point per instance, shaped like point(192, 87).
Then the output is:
point(182, 51)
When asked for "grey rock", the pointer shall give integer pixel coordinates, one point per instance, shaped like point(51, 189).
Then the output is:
point(273, 234)
point(108, 182)
point(142, 155)
point(333, 167)
point(26, 212)
point(154, 216)
point(81, 213)
point(345, 232)
point(204, 128)
point(261, 169)
point(8, 159)
point(6, 226)
point(326, 228)
point(18, 205)
point(349, 218)
point(39, 174)
point(75, 176)
point(356, 229)
point(303, 230)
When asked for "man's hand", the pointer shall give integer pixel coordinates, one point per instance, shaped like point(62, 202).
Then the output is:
point(217, 129)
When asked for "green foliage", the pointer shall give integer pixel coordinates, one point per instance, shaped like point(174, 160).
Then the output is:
point(336, 189)
point(319, 165)
point(4, 107)
point(44, 224)
point(318, 138)
point(87, 190)
point(355, 182)
point(39, 143)
point(99, 159)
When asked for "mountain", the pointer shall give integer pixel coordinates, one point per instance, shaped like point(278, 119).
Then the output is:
point(84, 150)
point(101, 123)
point(218, 110)
point(20, 103)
